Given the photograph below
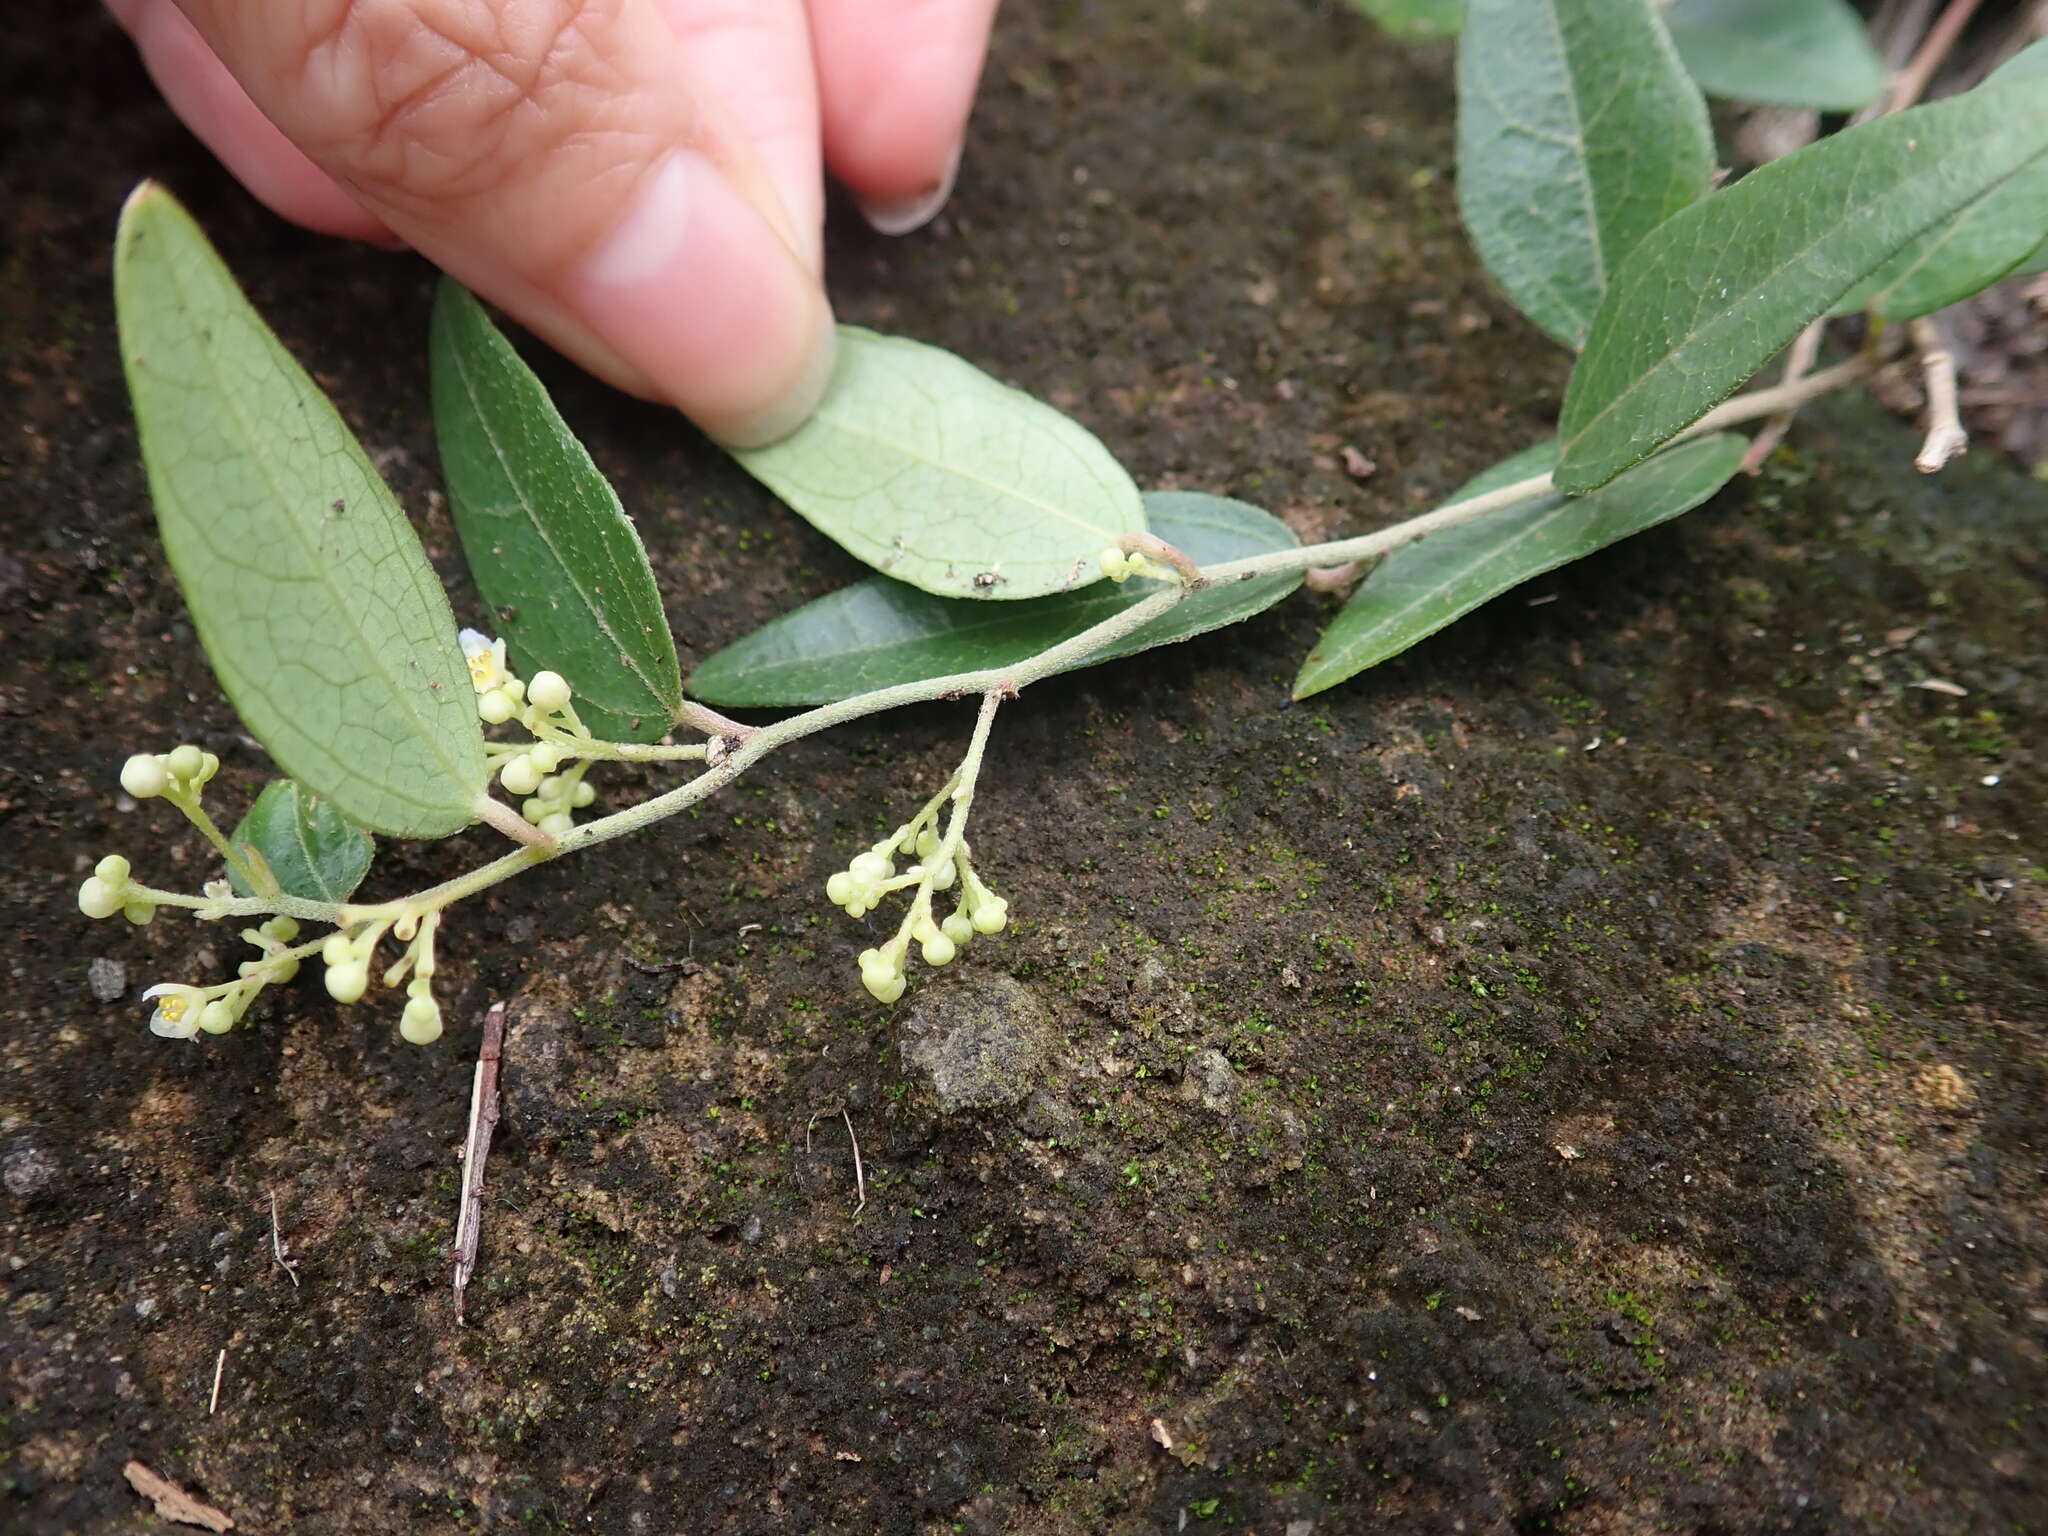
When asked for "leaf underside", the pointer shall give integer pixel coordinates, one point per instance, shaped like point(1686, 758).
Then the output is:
point(1419, 590)
point(937, 475)
point(316, 852)
point(1578, 133)
point(553, 552)
point(308, 587)
point(878, 633)
point(1710, 295)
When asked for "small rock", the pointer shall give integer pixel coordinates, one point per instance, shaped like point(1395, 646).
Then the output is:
point(27, 1171)
point(751, 1232)
point(1212, 1081)
point(983, 1041)
point(1942, 1087)
point(146, 1308)
point(108, 979)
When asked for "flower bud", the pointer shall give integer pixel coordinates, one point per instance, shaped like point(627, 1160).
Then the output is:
point(217, 1017)
point(585, 794)
point(885, 986)
point(520, 775)
point(420, 1024)
point(347, 982)
point(991, 915)
point(938, 949)
point(534, 809)
point(958, 928)
point(548, 691)
point(97, 898)
point(496, 707)
point(927, 842)
point(113, 869)
point(140, 911)
point(1115, 564)
point(557, 824)
point(281, 928)
point(870, 868)
point(838, 890)
point(337, 950)
point(547, 756)
point(185, 762)
point(144, 776)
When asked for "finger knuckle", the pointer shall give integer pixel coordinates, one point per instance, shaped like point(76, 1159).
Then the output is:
point(445, 101)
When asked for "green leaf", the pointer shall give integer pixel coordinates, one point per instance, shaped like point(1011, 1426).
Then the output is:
point(308, 587)
point(1789, 53)
point(1991, 237)
point(1415, 21)
point(1709, 296)
point(878, 633)
point(316, 852)
point(553, 552)
point(1418, 590)
point(1578, 133)
point(935, 474)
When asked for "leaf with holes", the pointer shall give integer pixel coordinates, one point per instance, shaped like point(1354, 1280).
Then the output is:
point(1785, 53)
point(553, 552)
point(314, 851)
point(1418, 590)
point(308, 587)
point(1710, 295)
point(1578, 133)
point(878, 633)
point(935, 474)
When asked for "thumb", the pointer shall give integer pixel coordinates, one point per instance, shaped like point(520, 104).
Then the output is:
point(559, 158)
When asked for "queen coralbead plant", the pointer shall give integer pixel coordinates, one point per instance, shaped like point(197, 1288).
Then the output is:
point(1005, 535)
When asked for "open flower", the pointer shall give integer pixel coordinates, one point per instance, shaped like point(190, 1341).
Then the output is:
point(486, 658)
point(177, 1010)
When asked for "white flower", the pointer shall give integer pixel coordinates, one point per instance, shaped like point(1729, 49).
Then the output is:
point(486, 658)
point(177, 1010)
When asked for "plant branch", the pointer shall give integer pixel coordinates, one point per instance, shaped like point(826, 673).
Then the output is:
point(1946, 438)
point(749, 744)
point(1913, 81)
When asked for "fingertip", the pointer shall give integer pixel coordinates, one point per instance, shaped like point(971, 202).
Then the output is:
point(896, 82)
point(695, 290)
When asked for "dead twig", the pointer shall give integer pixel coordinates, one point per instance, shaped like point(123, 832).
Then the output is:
point(219, 1365)
point(1798, 361)
point(860, 1178)
point(1945, 435)
point(173, 1502)
point(476, 1147)
point(277, 1243)
point(1913, 80)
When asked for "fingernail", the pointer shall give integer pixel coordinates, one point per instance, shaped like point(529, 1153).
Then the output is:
point(695, 289)
point(901, 215)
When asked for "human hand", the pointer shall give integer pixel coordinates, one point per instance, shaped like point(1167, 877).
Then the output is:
point(638, 181)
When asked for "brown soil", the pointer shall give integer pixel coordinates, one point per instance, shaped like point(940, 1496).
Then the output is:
point(1586, 1076)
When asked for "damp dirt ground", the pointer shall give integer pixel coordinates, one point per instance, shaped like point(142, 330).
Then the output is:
point(1589, 1075)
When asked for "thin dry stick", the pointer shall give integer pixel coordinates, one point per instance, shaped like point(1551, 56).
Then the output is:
point(483, 1119)
point(1804, 350)
point(277, 1243)
point(860, 1178)
point(1914, 79)
point(219, 1365)
point(1945, 435)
